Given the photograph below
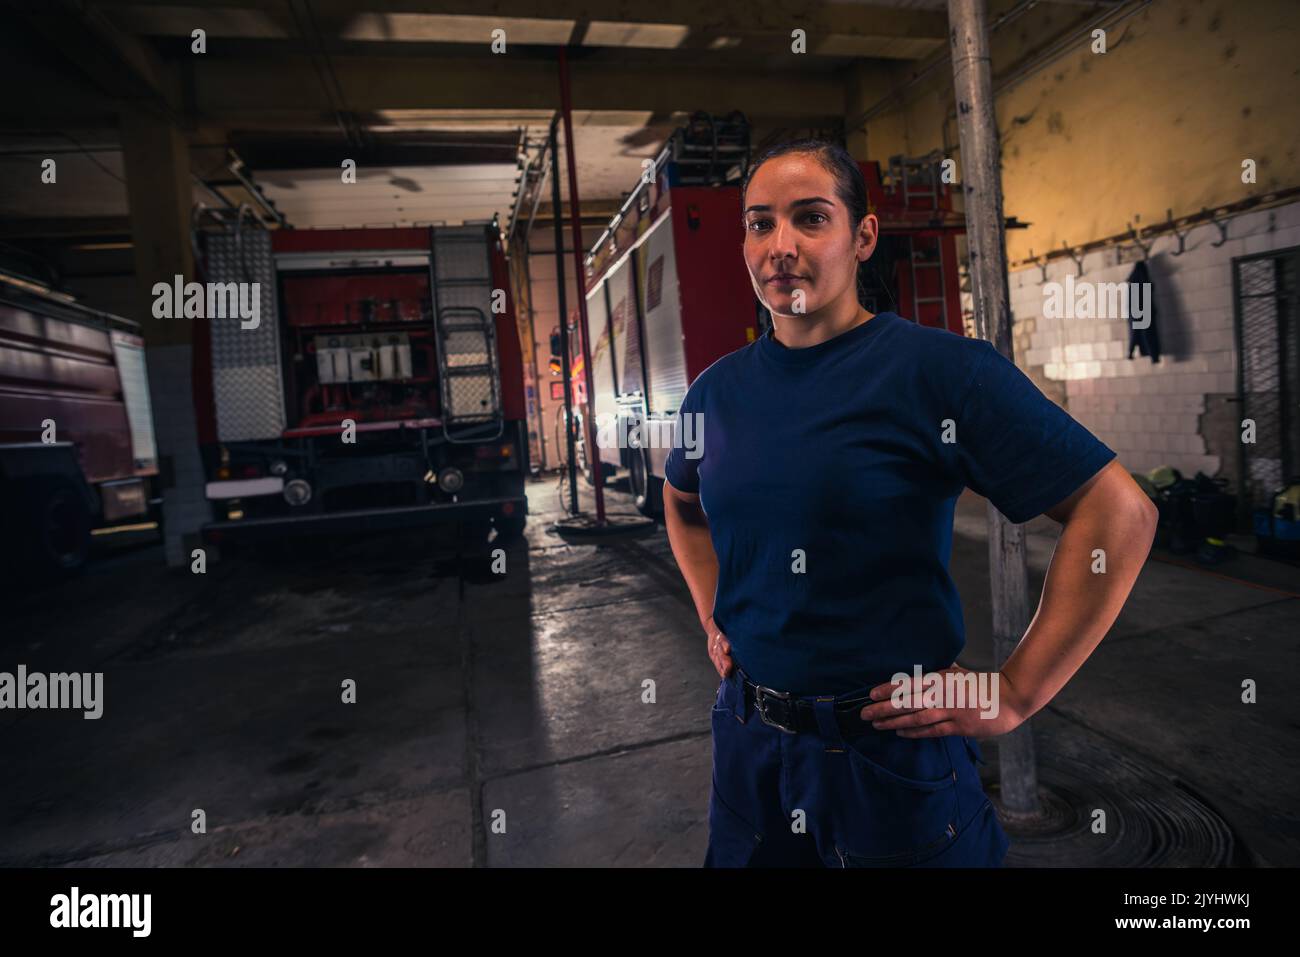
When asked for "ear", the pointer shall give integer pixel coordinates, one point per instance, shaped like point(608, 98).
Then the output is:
point(867, 237)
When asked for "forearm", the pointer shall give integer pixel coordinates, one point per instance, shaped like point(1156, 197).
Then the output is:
point(688, 536)
point(1079, 603)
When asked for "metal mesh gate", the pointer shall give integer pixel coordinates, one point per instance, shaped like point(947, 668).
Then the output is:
point(1268, 376)
point(467, 351)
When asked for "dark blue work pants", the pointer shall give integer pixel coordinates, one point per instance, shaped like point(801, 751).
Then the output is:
point(826, 799)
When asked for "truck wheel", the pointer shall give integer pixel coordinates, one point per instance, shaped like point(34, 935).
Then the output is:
point(647, 491)
point(655, 507)
point(585, 466)
point(606, 472)
point(53, 525)
point(580, 451)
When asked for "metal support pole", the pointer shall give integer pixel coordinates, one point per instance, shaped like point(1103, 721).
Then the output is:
point(593, 453)
point(562, 298)
point(986, 238)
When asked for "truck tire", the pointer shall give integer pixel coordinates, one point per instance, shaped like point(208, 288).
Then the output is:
point(647, 490)
point(52, 523)
point(656, 504)
point(606, 470)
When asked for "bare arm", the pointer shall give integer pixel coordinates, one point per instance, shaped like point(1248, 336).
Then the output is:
point(688, 536)
point(1077, 608)
point(1079, 605)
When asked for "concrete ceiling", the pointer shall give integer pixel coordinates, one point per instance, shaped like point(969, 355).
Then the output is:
point(403, 196)
point(412, 91)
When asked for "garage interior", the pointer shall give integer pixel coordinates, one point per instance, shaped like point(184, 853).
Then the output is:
point(483, 696)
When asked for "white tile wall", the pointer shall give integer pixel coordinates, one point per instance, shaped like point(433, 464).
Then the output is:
point(1149, 413)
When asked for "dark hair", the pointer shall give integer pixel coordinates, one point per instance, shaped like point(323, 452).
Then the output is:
point(850, 187)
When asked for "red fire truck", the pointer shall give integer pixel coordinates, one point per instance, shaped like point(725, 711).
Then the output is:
point(382, 388)
point(77, 447)
point(668, 292)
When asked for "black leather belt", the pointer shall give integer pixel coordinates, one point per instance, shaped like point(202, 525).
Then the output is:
point(795, 715)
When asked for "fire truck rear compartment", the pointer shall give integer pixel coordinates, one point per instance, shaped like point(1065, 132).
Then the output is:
point(359, 346)
point(373, 398)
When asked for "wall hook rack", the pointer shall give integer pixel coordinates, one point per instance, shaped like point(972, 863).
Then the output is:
point(1040, 263)
point(1078, 260)
point(1222, 224)
point(1180, 234)
point(1137, 239)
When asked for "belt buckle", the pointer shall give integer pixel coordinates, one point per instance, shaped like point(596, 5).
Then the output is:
point(761, 694)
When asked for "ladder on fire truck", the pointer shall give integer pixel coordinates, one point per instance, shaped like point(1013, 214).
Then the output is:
point(917, 178)
point(469, 364)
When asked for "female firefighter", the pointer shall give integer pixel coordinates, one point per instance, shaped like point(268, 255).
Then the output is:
point(812, 520)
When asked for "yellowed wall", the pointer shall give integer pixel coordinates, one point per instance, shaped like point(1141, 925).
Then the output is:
point(1186, 91)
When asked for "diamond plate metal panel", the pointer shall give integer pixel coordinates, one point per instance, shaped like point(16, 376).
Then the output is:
point(470, 370)
point(466, 348)
point(476, 297)
point(471, 398)
point(246, 371)
point(461, 253)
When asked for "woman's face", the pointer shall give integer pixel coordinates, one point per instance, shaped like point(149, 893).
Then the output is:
point(796, 226)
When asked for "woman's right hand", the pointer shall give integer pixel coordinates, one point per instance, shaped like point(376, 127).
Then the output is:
point(719, 648)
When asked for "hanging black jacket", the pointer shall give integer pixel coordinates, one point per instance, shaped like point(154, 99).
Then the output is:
point(1146, 340)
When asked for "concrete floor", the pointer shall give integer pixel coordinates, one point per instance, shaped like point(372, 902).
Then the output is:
point(484, 699)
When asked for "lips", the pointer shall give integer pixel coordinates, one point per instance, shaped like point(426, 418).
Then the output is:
point(783, 278)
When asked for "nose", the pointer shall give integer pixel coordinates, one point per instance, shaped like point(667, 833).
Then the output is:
point(781, 246)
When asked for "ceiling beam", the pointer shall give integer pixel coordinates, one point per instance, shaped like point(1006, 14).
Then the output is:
point(115, 62)
point(265, 94)
point(830, 28)
point(283, 151)
point(12, 227)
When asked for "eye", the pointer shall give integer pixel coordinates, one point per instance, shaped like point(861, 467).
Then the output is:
point(820, 216)
point(756, 222)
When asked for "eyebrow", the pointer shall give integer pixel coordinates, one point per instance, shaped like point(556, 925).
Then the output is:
point(798, 202)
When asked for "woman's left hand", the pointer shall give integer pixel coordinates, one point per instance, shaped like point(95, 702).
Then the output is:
point(986, 707)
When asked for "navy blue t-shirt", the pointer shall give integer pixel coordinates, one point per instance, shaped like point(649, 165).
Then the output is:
point(829, 476)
